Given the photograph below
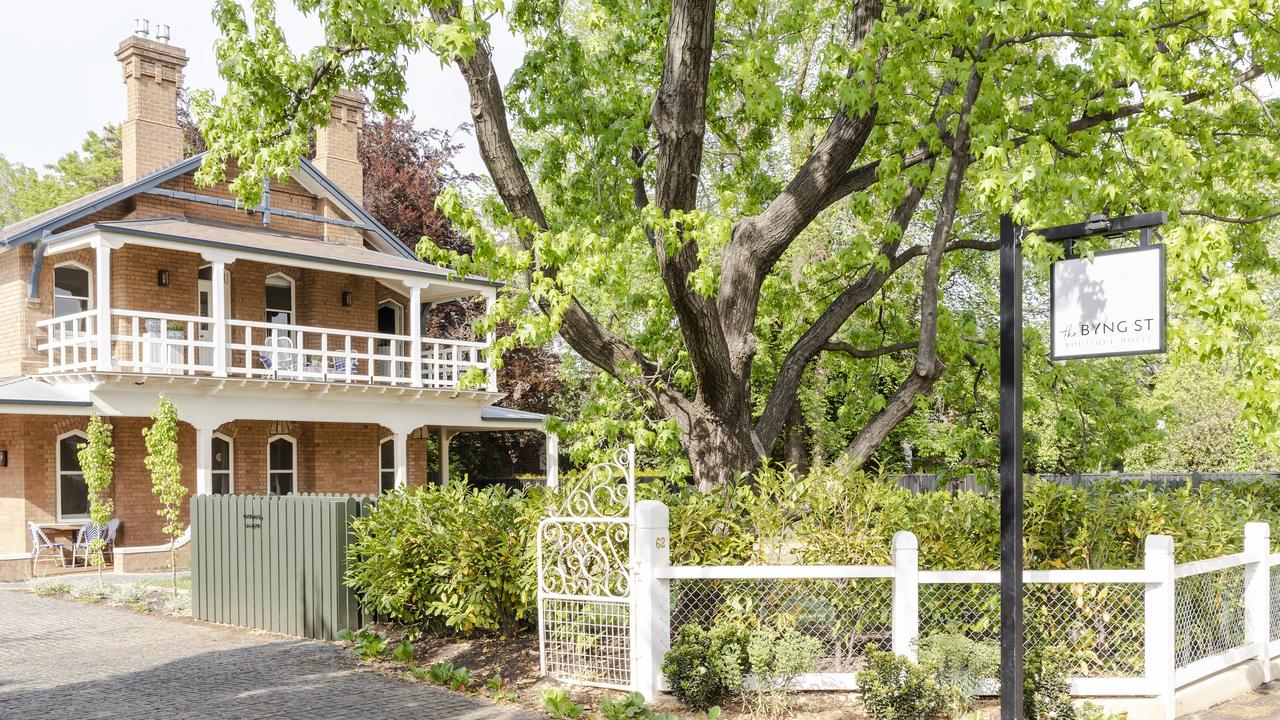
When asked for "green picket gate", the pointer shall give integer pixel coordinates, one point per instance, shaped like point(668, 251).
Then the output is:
point(274, 562)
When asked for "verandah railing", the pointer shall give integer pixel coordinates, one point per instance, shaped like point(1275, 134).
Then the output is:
point(1129, 632)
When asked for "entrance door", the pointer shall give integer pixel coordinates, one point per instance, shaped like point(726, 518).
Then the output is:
point(204, 308)
point(390, 322)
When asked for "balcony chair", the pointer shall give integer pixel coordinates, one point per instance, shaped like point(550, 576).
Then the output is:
point(41, 545)
point(288, 361)
point(88, 533)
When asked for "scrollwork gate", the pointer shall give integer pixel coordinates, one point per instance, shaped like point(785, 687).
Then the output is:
point(585, 601)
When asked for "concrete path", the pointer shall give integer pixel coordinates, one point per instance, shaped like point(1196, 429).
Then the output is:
point(60, 659)
point(1261, 704)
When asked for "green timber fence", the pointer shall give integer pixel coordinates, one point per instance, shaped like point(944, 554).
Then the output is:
point(274, 562)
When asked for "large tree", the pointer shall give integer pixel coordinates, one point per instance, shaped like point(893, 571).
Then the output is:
point(707, 198)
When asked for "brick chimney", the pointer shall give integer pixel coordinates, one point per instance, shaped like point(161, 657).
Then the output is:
point(150, 138)
point(337, 158)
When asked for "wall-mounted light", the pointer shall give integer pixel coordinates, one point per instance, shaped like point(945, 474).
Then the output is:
point(162, 277)
point(348, 299)
point(4, 458)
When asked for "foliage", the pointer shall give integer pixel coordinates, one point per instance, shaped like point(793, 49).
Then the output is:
point(704, 668)
point(161, 439)
point(25, 191)
point(499, 690)
point(634, 707)
point(369, 645)
point(404, 652)
point(894, 688)
point(558, 704)
point(448, 557)
point(51, 588)
point(960, 664)
point(1046, 692)
point(97, 461)
point(777, 655)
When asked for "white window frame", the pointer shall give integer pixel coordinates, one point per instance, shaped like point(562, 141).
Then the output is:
point(293, 296)
point(231, 463)
point(389, 440)
point(293, 446)
point(53, 278)
point(57, 450)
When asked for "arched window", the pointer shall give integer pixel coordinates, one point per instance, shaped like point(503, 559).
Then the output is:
point(282, 465)
point(72, 289)
point(223, 466)
point(73, 493)
point(280, 300)
point(387, 465)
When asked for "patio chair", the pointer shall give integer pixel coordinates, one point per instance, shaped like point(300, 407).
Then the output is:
point(113, 527)
point(278, 362)
point(41, 545)
point(88, 533)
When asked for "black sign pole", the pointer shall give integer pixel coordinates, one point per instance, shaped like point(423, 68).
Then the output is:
point(1011, 671)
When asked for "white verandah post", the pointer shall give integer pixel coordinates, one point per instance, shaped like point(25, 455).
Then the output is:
point(102, 298)
point(400, 449)
point(1257, 592)
point(553, 460)
point(651, 596)
point(490, 337)
point(415, 332)
point(218, 309)
point(204, 459)
point(1158, 608)
point(906, 593)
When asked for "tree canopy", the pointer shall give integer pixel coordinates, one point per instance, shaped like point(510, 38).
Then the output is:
point(769, 220)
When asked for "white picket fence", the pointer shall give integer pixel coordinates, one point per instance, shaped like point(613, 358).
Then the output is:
point(1135, 633)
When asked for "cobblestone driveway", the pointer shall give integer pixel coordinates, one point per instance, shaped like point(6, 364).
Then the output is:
point(1261, 704)
point(64, 660)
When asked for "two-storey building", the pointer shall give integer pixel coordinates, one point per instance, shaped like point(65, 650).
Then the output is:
point(289, 335)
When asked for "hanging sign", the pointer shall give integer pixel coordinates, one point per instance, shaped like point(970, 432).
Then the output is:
point(1111, 305)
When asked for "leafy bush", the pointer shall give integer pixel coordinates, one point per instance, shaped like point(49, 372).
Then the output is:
point(498, 689)
point(704, 668)
point(1046, 693)
point(558, 704)
point(960, 664)
point(776, 657)
point(452, 557)
point(51, 588)
point(404, 652)
point(369, 645)
point(894, 688)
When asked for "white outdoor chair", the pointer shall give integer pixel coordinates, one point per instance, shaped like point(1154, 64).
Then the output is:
point(42, 546)
point(284, 360)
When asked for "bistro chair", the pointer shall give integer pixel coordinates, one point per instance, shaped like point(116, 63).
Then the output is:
point(113, 528)
point(88, 533)
point(285, 359)
point(41, 546)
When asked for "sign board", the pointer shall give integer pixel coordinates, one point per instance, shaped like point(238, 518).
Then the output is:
point(1113, 304)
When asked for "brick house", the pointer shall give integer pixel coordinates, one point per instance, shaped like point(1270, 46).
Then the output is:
point(289, 336)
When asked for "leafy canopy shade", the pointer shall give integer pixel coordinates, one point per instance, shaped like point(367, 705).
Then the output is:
point(708, 202)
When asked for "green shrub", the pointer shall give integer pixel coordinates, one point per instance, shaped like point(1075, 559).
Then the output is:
point(960, 664)
point(558, 704)
point(370, 645)
point(453, 557)
point(776, 657)
point(1046, 693)
point(704, 668)
point(404, 652)
point(51, 588)
point(894, 688)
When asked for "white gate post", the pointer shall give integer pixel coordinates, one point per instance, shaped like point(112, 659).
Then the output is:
point(1158, 604)
point(906, 593)
point(651, 614)
point(1257, 592)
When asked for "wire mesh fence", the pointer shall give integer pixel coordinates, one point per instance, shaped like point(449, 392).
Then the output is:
point(1275, 601)
point(848, 615)
point(1209, 614)
point(588, 641)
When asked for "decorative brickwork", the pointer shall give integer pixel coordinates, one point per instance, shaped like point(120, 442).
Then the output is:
point(150, 137)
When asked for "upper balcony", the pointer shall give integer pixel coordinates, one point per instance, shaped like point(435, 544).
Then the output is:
point(249, 305)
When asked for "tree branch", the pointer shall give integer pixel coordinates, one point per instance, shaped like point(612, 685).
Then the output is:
point(1232, 220)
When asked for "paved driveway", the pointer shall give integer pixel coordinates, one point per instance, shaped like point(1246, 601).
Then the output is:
point(1261, 704)
point(60, 659)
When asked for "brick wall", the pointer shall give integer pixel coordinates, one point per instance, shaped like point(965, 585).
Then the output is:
point(332, 458)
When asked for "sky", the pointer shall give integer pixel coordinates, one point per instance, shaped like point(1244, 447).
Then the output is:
point(77, 87)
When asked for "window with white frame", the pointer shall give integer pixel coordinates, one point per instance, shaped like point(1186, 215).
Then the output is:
point(223, 462)
point(282, 464)
point(73, 493)
point(279, 305)
point(72, 289)
point(387, 465)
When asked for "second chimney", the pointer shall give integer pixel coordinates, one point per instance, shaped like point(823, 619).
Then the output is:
point(337, 157)
point(150, 138)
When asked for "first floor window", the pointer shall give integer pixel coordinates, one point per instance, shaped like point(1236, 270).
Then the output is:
point(73, 494)
point(222, 482)
point(387, 465)
point(282, 460)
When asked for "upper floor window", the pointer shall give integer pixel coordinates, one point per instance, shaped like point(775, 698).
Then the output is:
point(280, 300)
point(71, 290)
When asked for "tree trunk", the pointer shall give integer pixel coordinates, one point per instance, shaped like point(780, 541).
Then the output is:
point(794, 447)
point(718, 452)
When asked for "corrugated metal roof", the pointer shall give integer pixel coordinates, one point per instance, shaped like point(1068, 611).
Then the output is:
point(28, 390)
point(507, 414)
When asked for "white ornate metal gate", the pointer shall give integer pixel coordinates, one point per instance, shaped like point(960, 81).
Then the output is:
point(585, 602)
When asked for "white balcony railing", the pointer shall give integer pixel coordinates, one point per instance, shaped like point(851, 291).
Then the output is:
point(168, 344)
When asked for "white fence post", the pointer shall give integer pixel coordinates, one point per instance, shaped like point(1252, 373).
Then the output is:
point(906, 593)
point(651, 615)
point(1257, 592)
point(1158, 607)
